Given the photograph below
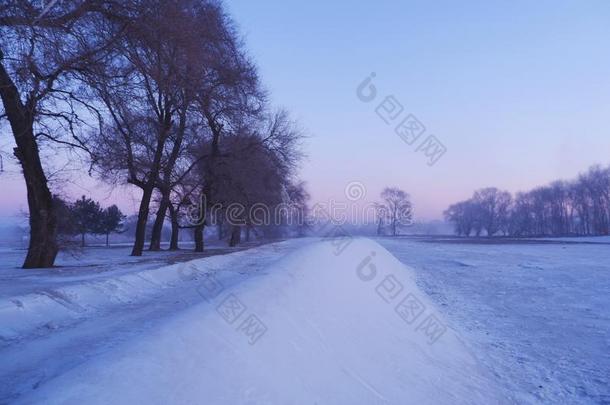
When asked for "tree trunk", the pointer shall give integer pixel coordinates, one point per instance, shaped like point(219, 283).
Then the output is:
point(138, 245)
point(248, 233)
point(147, 190)
point(198, 234)
point(220, 232)
point(82, 239)
point(235, 236)
point(173, 244)
point(107, 235)
point(157, 230)
point(43, 248)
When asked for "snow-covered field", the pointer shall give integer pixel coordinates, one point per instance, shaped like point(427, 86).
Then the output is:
point(307, 321)
point(537, 314)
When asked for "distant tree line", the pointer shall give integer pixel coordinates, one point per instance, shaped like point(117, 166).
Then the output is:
point(564, 208)
point(158, 94)
point(85, 216)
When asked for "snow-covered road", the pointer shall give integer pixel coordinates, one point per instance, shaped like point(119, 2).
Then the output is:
point(64, 323)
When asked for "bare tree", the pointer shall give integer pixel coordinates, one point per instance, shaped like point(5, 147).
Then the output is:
point(147, 91)
point(298, 198)
point(225, 89)
point(234, 100)
point(41, 49)
point(464, 216)
point(255, 168)
point(398, 207)
point(494, 208)
point(580, 207)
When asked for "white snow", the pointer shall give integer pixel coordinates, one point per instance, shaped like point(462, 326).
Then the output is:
point(537, 314)
point(81, 286)
point(523, 322)
point(317, 326)
point(48, 347)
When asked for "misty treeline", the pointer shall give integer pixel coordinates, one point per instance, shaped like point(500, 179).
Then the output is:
point(579, 208)
point(394, 211)
point(157, 94)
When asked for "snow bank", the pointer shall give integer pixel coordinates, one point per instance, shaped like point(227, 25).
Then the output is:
point(332, 323)
point(51, 306)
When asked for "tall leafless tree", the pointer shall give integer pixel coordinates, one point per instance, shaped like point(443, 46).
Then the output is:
point(148, 90)
point(398, 208)
point(41, 49)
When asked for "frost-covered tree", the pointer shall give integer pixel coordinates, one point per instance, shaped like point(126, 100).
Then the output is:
point(398, 208)
point(464, 216)
point(579, 207)
point(493, 206)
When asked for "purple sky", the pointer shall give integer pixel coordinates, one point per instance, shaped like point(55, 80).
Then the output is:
point(518, 92)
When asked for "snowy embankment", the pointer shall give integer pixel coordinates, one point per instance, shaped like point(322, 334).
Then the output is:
point(326, 324)
point(52, 308)
point(54, 299)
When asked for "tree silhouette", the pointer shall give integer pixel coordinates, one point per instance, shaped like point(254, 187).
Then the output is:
point(111, 220)
point(86, 214)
